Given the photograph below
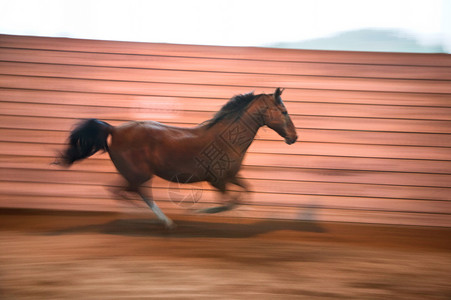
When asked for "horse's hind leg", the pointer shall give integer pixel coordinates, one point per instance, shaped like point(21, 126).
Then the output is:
point(137, 173)
point(157, 211)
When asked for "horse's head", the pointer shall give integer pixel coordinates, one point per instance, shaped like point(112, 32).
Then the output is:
point(275, 116)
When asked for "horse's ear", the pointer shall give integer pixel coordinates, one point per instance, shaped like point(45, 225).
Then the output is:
point(278, 93)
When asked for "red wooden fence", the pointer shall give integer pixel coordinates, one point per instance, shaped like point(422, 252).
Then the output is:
point(374, 128)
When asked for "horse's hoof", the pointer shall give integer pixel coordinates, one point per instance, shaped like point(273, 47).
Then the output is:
point(217, 209)
point(170, 225)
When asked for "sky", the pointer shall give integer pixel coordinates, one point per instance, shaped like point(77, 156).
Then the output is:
point(223, 22)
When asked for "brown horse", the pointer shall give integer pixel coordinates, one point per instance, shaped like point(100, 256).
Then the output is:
point(212, 151)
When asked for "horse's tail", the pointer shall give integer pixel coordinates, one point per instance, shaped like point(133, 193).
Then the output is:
point(86, 139)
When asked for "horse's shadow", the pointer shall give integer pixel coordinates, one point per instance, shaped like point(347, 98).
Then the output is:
point(190, 228)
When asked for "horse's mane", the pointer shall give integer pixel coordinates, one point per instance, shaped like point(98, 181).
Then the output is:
point(234, 108)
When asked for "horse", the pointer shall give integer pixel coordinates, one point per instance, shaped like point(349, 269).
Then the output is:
point(212, 151)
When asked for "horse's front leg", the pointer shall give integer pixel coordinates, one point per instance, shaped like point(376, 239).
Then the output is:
point(221, 186)
point(242, 184)
point(147, 197)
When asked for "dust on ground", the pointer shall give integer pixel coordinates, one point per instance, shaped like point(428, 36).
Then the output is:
point(74, 255)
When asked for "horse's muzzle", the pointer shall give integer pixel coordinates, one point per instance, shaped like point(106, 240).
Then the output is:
point(290, 141)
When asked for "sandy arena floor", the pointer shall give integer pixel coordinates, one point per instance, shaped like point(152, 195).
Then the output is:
point(67, 255)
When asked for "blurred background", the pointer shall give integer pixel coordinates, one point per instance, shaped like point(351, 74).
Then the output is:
point(367, 85)
point(374, 121)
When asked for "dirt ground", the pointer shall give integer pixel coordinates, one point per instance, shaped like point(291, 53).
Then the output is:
point(69, 255)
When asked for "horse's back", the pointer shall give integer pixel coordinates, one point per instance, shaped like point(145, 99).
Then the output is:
point(156, 148)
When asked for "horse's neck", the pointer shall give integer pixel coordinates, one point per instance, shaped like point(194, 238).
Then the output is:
point(239, 134)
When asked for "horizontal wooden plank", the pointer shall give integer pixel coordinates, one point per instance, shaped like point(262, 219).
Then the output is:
point(213, 64)
point(369, 111)
point(60, 203)
point(381, 151)
point(259, 159)
point(302, 204)
point(42, 123)
point(420, 139)
point(33, 136)
point(65, 177)
point(369, 137)
point(324, 214)
point(345, 176)
point(278, 160)
point(148, 88)
point(325, 165)
point(306, 135)
point(196, 117)
point(351, 190)
point(124, 75)
point(11, 166)
point(299, 203)
point(279, 147)
point(83, 45)
point(320, 214)
point(105, 113)
point(258, 185)
point(389, 125)
point(176, 106)
point(163, 194)
point(349, 163)
point(148, 100)
point(93, 164)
